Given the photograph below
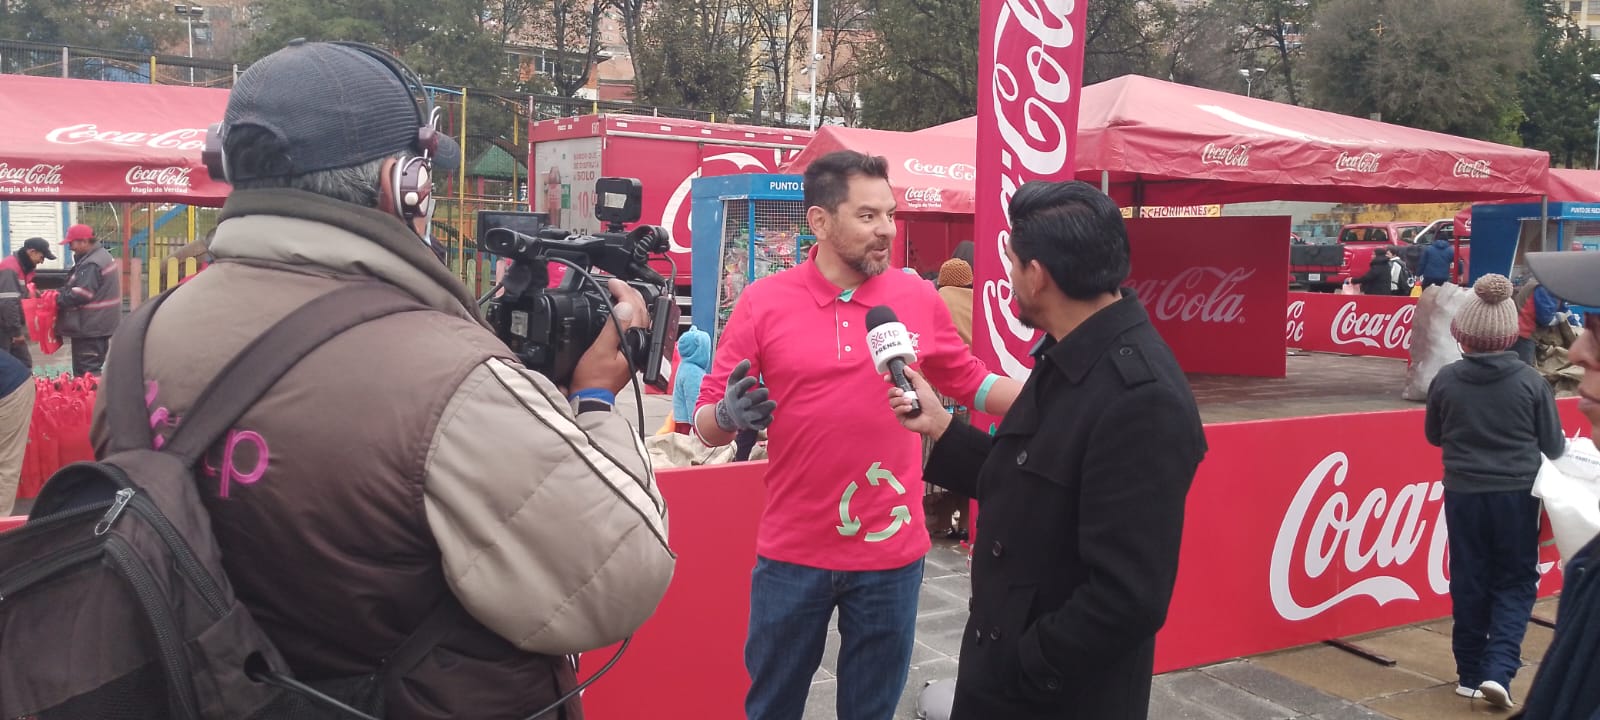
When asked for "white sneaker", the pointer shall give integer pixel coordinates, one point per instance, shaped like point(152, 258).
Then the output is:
point(1496, 694)
point(1467, 692)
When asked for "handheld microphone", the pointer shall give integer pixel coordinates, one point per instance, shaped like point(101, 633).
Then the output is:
point(890, 345)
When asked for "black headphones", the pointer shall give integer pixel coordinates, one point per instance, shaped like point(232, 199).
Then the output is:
point(408, 189)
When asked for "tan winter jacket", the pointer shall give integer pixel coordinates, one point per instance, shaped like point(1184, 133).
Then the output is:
point(405, 462)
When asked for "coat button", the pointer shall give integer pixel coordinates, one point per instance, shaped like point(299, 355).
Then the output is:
point(997, 549)
point(1022, 457)
point(1052, 684)
point(994, 633)
point(1125, 352)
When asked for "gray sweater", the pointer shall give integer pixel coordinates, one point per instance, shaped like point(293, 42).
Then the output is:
point(1493, 415)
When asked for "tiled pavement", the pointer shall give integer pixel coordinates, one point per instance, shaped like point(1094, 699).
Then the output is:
point(1316, 682)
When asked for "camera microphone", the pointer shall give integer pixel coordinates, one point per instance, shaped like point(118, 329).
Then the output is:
point(890, 345)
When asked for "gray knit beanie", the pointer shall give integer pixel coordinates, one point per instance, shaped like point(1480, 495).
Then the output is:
point(1488, 322)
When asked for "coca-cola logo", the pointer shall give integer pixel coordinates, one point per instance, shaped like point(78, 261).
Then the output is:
point(1236, 156)
point(1203, 294)
point(953, 171)
point(1364, 163)
point(163, 179)
point(1475, 169)
point(1391, 330)
point(180, 139)
point(31, 175)
point(924, 197)
point(1029, 88)
point(1378, 534)
point(1297, 323)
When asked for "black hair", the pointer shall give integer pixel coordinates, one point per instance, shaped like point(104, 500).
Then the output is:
point(828, 177)
point(1075, 232)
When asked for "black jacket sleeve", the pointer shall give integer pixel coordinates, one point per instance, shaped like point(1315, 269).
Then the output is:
point(1135, 481)
point(1552, 439)
point(12, 322)
point(957, 458)
point(80, 288)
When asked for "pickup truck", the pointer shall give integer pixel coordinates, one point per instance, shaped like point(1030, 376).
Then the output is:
point(1324, 267)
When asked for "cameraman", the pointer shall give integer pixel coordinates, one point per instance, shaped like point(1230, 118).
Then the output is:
point(408, 469)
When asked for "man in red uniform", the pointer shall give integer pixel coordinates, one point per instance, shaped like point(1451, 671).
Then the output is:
point(843, 525)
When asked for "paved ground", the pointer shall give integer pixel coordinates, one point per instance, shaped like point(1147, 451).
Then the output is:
point(1318, 681)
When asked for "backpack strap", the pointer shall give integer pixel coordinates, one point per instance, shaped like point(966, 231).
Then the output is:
point(251, 373)
point(127, 413)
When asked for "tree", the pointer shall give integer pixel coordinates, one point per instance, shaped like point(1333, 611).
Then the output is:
point(144, 26)
point(575, 27)
point(448, 42)
point(1564, 60)
point(1423, 63)
point(908, 81)
point(847, 36)
point(694, 55)
point(1124, 37)
point(782, 40)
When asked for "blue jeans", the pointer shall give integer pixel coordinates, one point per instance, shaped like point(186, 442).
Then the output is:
point(1494, 579)
point(790, 606)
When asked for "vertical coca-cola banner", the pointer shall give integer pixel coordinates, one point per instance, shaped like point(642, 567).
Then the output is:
point(1213, 287)
point(1030, 72)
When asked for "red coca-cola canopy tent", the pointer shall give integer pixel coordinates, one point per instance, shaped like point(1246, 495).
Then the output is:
point(928, 177)
point(1573, 185)
point(1160, 143)
point(95, 141)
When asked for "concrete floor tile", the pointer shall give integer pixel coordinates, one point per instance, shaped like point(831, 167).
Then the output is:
point(1436, 703)
point(1342, 674)
point(1417, 650)
point(1350, 712)
point(822, 703)
point(933, 600)
point(943, 632)
point(1192, 695)
point(957, 585)
point(1274, 687)
point(1536, 642)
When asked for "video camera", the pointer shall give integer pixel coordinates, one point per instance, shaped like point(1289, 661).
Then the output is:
point(550, 328)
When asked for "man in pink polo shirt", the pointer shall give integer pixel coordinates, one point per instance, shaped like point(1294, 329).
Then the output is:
point(843, 524)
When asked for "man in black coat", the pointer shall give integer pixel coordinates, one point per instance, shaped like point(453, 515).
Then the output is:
point(1082, 488)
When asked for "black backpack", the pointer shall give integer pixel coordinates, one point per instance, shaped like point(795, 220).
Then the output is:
point(113, 601)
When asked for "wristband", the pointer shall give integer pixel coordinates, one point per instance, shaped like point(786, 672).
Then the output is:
point(601, 394)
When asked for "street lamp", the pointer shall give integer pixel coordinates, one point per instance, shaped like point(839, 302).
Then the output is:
point(1249, 78)
point(189, 13)
point(1596, 77)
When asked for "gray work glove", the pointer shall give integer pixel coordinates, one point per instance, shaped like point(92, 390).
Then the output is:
point(745, 406)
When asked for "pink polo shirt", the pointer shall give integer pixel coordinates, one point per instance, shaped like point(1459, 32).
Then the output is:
point(844, 490)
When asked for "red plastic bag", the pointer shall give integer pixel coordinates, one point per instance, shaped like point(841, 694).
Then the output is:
point(40, 313)
point(42, 458)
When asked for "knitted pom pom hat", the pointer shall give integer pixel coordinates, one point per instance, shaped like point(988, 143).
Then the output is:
point(1488, 322)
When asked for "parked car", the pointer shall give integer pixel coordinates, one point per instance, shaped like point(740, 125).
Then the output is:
point(1323, 268)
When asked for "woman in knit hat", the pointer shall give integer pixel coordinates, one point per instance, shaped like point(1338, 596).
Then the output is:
point(955, 287)
point(1493, 416)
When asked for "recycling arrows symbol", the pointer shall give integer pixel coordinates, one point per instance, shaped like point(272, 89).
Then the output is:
point(900, 515)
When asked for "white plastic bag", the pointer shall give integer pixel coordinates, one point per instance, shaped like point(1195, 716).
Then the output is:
point(1570, 489)
point(1432, 345)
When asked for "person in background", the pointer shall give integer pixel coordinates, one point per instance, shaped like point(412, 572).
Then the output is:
point(1400, 279)
point(16, 274)
point(1082, 487)
point(90, 302)
point(842, 526)
point(941, 505)
point(955, 288)
point(694, 359)
point(1536, 308)
point(1493, 416)
point(1565, 687)
point(16, 415)
point(1434, 267)
point(1376, 281)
